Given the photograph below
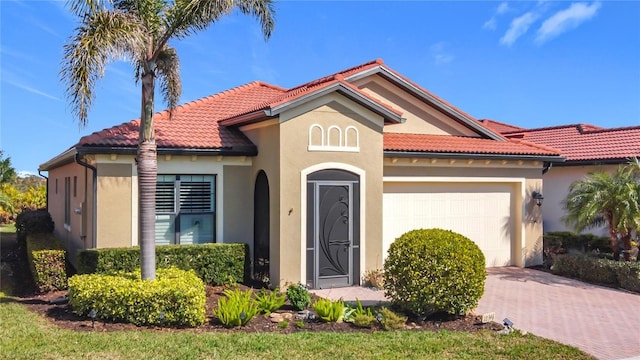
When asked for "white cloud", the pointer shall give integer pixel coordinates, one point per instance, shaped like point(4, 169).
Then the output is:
point(503, 8)
point(565, 20)
point(440, 53)
point(31, 90)
point(492, 23)
point(25, 173)
point(519, 26)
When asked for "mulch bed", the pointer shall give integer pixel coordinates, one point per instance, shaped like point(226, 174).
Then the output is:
point(62, 315)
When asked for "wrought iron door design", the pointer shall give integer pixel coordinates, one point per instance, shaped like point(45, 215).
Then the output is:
point(333, 250)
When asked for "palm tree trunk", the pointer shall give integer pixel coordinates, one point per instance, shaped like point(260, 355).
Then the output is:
point(613, 236)
point(626, 245)
point(147, 178)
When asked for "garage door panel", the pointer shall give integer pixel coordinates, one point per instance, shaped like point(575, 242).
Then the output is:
point(481, 213)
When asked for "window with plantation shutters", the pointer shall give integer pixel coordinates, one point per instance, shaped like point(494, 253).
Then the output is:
point(185, 209)
point(165, 195)
point(196, 195)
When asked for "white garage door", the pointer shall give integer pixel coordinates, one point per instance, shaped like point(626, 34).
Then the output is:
point(480, 212)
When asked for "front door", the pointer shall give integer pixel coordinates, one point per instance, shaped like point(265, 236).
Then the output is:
point(333, 248)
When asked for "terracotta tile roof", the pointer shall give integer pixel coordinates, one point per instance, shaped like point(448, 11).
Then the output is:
point(438, 99)
point(583, 142)
point(309, 88)
point(462, 145)
point(203, 124)
point(193, 125)
point(498, 126)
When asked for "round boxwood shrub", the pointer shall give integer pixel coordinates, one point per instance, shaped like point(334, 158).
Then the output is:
point(434, 270)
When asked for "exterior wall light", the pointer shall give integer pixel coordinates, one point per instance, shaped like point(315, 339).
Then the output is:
point(538, 198)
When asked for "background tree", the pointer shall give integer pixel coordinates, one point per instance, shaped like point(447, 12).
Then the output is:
point(140, 31)
point(7, 172)
point(7, 175)
point(610, 199)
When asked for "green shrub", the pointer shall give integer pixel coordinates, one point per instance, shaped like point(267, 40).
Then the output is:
point(47, 261)
point(389, 320)
point(429, 271)
point(629, 276)
point(299, 296)
point(593, 269)
point(328, 310)
point(361, 316)
point(571, 240)
point(175, 298)
point(33, 222)
point(216, 264)
point(351, 311)
point(587, 268)
point(363, 320)
point(283, 324)
point(269, 301)
point(236, 308)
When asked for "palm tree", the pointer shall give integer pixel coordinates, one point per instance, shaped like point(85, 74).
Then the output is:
point(609, 199)
point(140, 31)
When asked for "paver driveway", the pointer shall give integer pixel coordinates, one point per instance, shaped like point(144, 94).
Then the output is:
point(601, 321)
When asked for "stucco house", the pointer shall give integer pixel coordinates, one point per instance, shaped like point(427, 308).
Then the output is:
point(587, 148)
point(318, 179)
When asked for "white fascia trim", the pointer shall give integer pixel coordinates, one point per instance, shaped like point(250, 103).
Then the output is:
point(457, 179)
point(303, 212)
point(334, 148)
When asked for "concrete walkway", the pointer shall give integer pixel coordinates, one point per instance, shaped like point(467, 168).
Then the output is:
point(601, 321)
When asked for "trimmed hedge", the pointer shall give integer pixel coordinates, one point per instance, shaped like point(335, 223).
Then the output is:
point(215, 264)
point(47, 261)
point(33, 222)
point(592, 269)
point(175, 298)
point(571, 240)
point(434, 270)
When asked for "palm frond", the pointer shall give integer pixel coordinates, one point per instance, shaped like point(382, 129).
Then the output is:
point(604, 198)
point(187, 17)
point(101, 38)
point(263, 10)
point(88, 7)
point(168, 72)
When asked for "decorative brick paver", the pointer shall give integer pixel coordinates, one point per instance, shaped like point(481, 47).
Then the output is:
point(601, 321)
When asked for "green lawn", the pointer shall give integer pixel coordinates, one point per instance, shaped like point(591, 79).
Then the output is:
point(25, 335)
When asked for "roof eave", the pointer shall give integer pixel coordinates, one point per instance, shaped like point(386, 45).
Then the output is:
point(386, 113)
point(612, 161)
point(416, 91)
point(483, 156)
point(64, 158)
point(68, 156)
point(249, 118)
point(243, 150)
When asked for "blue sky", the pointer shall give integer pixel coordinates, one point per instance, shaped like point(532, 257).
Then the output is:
point(531, 64)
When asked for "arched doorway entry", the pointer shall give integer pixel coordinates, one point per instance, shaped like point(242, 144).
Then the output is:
point(261, 226)
point(333, 228)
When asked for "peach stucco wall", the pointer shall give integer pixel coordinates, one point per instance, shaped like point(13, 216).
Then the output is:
point(556, 183)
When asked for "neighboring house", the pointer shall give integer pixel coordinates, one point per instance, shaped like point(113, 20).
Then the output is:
point(587, 149)
point(318, 179)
